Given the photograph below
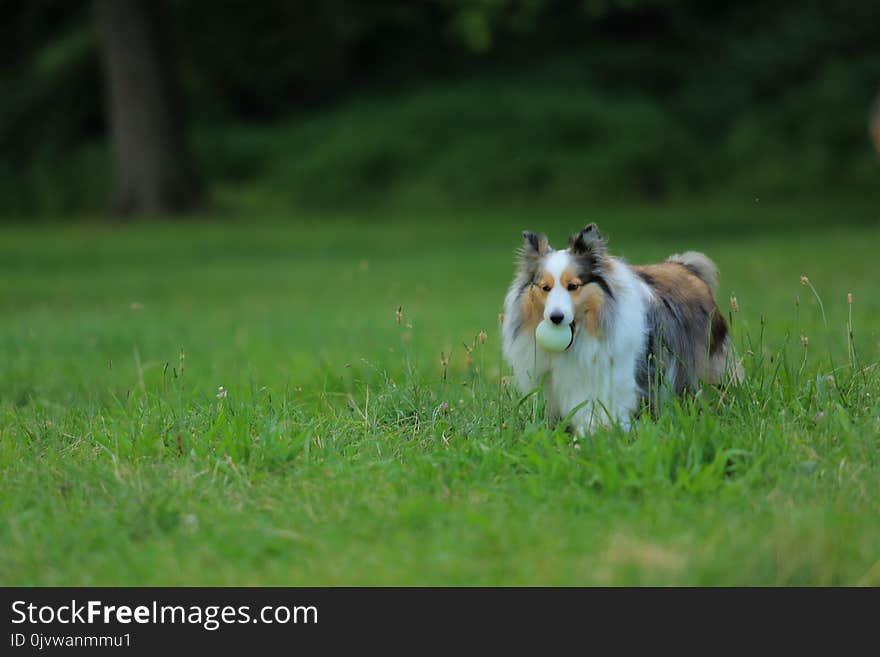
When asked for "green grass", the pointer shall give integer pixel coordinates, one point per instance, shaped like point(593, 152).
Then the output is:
point(347, 453)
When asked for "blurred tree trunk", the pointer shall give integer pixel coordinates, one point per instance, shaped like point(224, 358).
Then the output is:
point(153, 170)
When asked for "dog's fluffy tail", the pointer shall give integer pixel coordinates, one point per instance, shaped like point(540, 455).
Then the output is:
point(700, 265)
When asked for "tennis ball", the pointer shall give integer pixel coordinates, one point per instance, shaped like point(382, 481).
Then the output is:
point(553, 337)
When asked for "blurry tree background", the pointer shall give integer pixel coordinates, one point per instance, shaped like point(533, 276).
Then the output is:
point(335, 104)
point(151, 160)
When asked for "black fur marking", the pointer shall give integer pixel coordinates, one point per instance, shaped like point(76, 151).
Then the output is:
point(601, 282)
point(718, 332)
point(693, 270)
point(588, 241)
point(649, 280)
point(533, 240)
point(651, 372)
point(589, 271)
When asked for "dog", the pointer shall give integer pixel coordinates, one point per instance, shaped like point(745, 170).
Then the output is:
point(639, 333)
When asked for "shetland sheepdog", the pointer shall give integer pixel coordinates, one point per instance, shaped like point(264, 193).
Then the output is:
point(638, 333)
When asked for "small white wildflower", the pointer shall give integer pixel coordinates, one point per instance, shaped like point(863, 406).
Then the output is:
point(190, 523)
point(221, 392)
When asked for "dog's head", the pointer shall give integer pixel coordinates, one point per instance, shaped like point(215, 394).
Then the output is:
point(570, 287)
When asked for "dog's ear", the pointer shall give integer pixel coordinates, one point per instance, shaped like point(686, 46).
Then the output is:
point(588, 241)
point(534, 244)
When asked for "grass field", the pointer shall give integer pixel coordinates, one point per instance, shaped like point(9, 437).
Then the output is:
point(353, 449)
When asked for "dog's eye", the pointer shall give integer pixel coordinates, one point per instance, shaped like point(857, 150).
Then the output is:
point(572, 287)
point(546, 288)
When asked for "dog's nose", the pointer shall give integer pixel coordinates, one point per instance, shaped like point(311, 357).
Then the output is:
point(557, 317)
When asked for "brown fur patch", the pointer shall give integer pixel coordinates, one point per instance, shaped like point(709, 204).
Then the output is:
point(534, 300)
point(568, 276)
point(675, 278)
point(589, 302)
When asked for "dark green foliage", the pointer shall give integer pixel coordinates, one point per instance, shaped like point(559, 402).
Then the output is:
point(449, 100)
